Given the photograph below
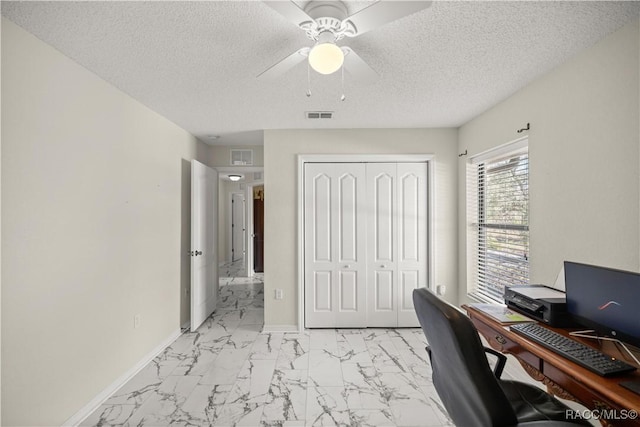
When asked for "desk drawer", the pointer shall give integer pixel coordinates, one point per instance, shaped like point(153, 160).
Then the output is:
point(502, 343)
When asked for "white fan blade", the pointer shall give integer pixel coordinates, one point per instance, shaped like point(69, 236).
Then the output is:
point(357, 67)
point(383, 12)
point(291, 11)
point(285, 65)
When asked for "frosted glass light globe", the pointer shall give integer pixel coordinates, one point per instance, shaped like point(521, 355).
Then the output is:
point(326, 58)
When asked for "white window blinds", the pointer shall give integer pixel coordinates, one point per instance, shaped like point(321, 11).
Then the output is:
point(501, 227)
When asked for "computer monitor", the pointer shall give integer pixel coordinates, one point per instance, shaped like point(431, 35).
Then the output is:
point(605, 300)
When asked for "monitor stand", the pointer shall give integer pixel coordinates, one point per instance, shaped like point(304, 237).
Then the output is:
point(634, 386)
point(588, 333)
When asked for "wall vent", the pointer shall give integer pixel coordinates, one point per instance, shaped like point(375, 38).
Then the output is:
point(319, 114)
point(242, 157)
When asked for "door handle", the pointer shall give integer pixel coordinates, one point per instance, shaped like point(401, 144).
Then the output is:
point(383, 266)
point(347, 266)
point(198, 253)
point(195, 253)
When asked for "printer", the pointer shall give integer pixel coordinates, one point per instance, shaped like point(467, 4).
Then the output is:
point(540, 302)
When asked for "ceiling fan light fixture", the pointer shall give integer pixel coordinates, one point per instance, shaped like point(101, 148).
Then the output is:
point(326, 57)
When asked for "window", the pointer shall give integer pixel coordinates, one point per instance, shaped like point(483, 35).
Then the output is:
point(499, 221)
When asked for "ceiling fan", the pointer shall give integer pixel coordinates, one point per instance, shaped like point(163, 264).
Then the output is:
point(325, 23)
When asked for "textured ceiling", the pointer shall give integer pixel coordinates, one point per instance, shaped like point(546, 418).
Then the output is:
point(196, 62)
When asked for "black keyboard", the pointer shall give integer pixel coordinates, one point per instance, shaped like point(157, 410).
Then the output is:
point(585, 356)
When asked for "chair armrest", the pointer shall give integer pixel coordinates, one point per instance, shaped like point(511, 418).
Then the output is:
point(502, 360)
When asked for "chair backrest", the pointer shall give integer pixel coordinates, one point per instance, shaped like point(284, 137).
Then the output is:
point(461, 373)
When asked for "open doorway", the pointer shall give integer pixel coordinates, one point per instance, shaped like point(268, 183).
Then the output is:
point(258, 229)
point(238, 227)
point(241, 205)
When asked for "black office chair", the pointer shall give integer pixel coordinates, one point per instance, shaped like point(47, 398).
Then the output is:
point(471, 392)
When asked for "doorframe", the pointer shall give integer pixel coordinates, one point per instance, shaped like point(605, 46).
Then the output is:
point(230, 222)
point(361, 158)
point(248, 202)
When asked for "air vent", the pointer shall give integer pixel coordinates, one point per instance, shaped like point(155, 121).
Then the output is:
point(319, 114)
point(242, 157)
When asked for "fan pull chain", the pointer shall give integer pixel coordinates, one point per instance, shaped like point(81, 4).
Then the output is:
point(308, 80)
point(342, 97)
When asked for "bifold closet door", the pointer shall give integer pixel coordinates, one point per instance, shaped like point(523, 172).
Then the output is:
point(334, 230)
point(412, 238)
point(396, 241)
point(382, 232)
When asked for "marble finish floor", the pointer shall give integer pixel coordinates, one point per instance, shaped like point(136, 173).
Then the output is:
point(231, 274)
point(228, 373)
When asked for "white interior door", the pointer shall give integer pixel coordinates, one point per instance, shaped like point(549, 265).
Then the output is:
point(335, 261)
point(238, 226)
point(412, 237)
point(382, 231)
point(365, 243)
point(204, 237)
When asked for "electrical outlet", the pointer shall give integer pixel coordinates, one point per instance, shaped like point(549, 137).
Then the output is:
point(279, 294)
point(136, 321)
point(441, 290)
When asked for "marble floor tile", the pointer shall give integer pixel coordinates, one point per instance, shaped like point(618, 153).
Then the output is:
point(327, 406)
point(325, 368)
point(287, 397)
point(253, 381)
point(226, 367)
point(323, 339)
point(204, 404)
point(166, 401)
point(230, 373)
point(294, 351)
point(267, 346)
point(371, 418)
point(110, 415)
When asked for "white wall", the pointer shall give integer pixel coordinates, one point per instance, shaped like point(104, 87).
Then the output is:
point(95, 204)
point(584, 158)
point(281, 204)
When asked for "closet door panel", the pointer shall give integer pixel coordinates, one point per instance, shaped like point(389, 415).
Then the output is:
point(409, 217)
point(383, 288)
point(382, 244)
point(322, 291)
point(383, 199)
point(348, 286)
point(322, 230)
point(334, 249)
point(409, 280)
point(348, 220)
point(365, 234)
point(412, 237)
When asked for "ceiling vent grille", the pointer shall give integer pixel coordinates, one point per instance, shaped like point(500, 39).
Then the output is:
point(242, 157)
point(319, 114)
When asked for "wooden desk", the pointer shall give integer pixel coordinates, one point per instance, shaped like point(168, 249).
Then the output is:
point(562, 377)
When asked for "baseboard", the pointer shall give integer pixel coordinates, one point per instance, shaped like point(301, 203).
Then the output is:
point(280, 328)
point(95, 403)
